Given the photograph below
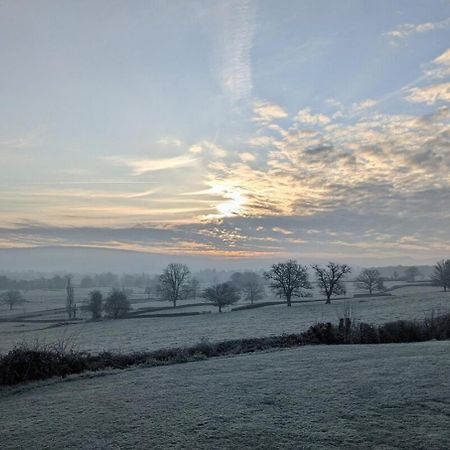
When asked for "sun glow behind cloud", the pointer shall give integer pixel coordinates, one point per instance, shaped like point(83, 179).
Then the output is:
point(246, 151)
point(234, 203)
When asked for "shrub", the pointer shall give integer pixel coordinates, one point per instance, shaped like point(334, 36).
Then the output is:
point(95, 304)
point(117, 304)
point(27, 364)
point(402, 331)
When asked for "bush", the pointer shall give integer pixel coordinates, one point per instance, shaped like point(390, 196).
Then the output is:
point(95, 304)
point(24, 364)
point(117, 304)
point(402, 331)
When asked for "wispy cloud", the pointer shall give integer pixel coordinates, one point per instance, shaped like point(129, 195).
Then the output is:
point(307, 117)
point(208, 148)
point(363, 105)
point(439, 67)
point(439, 92)
point(246, 156)
point(266, 112)
point(282, 231)
point(234, 65)
point(142, 166)
point(170, 141)
point(407, 30)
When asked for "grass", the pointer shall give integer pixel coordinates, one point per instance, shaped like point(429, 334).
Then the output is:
point(24, 364)
point(147, 334)
point(352, 397)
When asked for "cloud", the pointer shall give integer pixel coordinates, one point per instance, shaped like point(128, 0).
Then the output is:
point(142, 166)
point(305, 116)
point(333, 103)
point(439, 67)
point(363, 105)
point(373, 184)
point(282, 231)
point(430, 94)
point(444, 58)
point(407, 30)
point(235, 43)
point(246, 156)
point(206, 148)
point(170, 141)
point(384, 162)
point(433, 72)
point(266, 112)
point(262, 141)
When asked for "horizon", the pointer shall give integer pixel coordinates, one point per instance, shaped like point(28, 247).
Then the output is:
point(221, 133)
point(88, 260)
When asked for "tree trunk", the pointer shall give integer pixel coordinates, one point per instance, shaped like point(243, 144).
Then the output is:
point(328, 300)
point(288, 299)
point(174, 303)
point(370, 291)
point(220, 308)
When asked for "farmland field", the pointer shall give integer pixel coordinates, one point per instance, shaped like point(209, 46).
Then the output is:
point(156, 332)
point(352, 397)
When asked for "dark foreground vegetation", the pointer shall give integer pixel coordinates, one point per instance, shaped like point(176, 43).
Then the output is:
point(24, 364)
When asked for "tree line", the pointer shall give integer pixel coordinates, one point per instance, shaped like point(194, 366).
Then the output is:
point(288, 280)
point(55, 282)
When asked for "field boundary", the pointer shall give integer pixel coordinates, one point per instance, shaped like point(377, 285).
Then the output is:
point(25, 364)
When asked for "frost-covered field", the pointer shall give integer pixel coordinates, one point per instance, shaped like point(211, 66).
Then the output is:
point(321, 397)
point(43, 300)
point(153, 333)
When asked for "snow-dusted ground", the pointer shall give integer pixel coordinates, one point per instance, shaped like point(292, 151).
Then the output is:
point(42, 300)
point(153, 333)
point(321, 397)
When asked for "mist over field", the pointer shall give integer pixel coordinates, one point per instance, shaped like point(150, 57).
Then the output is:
point(224, 224)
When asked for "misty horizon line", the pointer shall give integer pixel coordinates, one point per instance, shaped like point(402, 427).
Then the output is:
point(197, 262)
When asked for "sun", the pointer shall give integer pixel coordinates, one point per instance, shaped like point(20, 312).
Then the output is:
point(233, 206)
point(234, 203)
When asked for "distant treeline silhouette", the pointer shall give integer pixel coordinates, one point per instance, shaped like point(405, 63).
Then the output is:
point(55, 282)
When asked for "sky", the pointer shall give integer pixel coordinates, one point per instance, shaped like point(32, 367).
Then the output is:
point(315, 130)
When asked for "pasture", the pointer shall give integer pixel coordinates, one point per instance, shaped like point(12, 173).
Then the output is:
point(150, 333)
point(352, 397)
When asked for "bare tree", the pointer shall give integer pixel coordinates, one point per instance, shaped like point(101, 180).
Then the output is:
point(330, 279)
point(441, 274)
point(95, 304)
point(117, 304)
point(251, 284)
point(370, 280)
point(411, 273)
point(174, 281)
point(12, 298)
point(222, 294)
point(289, 279)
